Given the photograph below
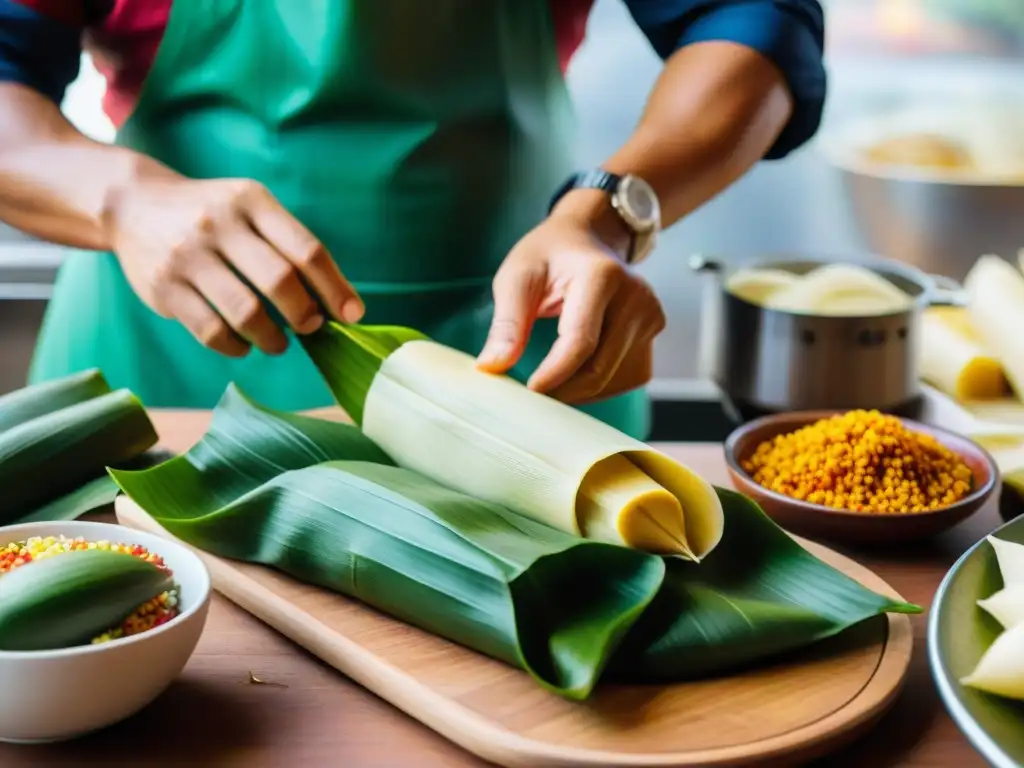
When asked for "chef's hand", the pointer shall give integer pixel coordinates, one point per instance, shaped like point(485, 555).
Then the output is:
point(178, 239)
point(607, 316)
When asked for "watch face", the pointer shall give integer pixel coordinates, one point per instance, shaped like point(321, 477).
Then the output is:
point(640, 201)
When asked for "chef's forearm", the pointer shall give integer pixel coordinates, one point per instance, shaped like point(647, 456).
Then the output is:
point(744, 81)
point(715, 111)
point(56, 183)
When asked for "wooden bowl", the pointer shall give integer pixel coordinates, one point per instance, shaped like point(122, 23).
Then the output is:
point(817, 521)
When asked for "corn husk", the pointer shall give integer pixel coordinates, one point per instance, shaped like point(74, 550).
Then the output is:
point(995, 305)
point(953, 357)
point(756, 285)
point(1010, 557)
point(1000, 670)
point(318, 500)
point(1006, 606)
point(350, 381)
point(492, 438)
point(56, 441)
point(840, 290)
point(66, 600)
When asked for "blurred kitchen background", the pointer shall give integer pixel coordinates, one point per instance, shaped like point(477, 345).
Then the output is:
point(881, 54)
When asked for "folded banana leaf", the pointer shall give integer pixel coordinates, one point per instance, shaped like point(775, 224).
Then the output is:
point(319, 501)
point(348, 356)
point(262, 487)
point(757, 595)
point(56, 440)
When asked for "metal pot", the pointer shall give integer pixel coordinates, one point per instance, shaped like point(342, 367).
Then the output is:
point(771, 360)
point(937, 221)
point(940, 227)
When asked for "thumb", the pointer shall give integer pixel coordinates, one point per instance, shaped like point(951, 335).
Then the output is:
point(518, 291)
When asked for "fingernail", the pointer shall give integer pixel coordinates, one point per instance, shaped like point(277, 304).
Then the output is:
point(352, 311)
point(495, 354)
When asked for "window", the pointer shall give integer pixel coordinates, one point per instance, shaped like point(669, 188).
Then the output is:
point(989, 28)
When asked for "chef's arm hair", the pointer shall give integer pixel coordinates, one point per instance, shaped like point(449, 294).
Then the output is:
point(56, 183)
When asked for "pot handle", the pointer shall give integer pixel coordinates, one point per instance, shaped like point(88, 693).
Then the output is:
point(703, 264)
point(711, 272)
point(946, 292)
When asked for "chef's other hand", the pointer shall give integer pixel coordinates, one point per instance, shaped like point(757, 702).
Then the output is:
point(607, 316)
point(178, 240)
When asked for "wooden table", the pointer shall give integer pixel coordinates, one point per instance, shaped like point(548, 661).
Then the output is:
point(215, 716)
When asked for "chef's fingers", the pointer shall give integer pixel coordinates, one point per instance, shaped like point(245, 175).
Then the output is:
point(518, 291)
point(632, 324)
point(643, 314)
point(180, 300)
point(240, 307)
point(301, 248)
point(633, 317)
point(591, 380)
point(635, 371)
point(271, 274)
point(579, 326)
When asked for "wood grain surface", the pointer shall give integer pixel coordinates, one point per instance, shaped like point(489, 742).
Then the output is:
point(249, 697)
point(787, 710)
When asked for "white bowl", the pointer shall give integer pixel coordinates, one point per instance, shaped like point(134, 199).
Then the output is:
point(69, 692)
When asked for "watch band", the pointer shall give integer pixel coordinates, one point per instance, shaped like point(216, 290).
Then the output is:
point(600, 179)
point(596, 178)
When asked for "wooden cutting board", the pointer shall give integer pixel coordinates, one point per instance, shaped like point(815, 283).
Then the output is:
point(786, 713)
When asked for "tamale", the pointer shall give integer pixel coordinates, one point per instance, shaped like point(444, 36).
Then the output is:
point(319, 501)
point(489, 436)
point(954, 359)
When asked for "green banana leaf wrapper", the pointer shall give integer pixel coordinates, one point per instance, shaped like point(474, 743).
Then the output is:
point(67, 600)
point(321, 502)
point(56, 440)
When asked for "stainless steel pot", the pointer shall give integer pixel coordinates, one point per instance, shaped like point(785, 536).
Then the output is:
point(939, 227)
point(935, 221)
point(770, 360)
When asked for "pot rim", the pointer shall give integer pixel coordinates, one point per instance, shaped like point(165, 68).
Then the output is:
point(935, 290)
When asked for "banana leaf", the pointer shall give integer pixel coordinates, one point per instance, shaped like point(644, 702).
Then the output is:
point(757, 595)
point(348, 356)
point(44, 398)
point(91, 591)
point(56, 440)
point(261, 487)
point(94, 495)
point(319, 501)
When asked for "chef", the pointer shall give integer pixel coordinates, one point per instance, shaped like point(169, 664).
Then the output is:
point(279, 163)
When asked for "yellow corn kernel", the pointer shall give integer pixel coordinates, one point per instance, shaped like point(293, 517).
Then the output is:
point(862, 461)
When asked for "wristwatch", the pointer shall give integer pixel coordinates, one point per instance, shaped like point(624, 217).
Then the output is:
point(633, 200)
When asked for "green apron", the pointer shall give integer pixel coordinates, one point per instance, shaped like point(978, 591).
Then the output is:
point(418, 140)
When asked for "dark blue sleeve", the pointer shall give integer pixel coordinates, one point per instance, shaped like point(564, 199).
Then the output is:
point(38, 51)
point(791, 33)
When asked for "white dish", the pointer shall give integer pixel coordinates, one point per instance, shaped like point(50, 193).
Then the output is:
point(69, 692)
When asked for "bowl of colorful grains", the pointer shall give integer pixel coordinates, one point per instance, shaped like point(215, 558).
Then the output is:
point(860, 476)
point(96, 621)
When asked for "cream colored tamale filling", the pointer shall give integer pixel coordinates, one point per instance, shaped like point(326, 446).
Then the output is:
point(618, 501)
